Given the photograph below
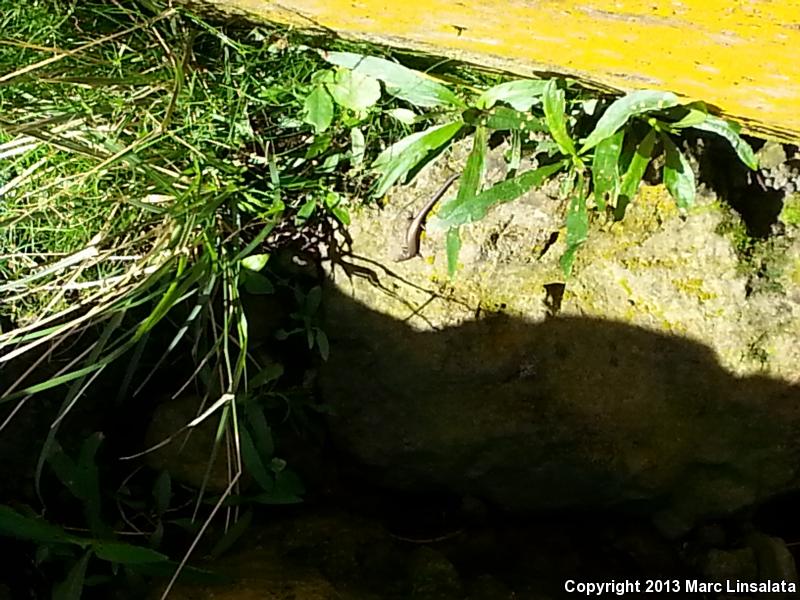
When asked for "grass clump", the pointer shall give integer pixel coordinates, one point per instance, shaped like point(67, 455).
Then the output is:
point(148, 162)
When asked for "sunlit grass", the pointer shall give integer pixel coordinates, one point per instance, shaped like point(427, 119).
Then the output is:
point(133, 148)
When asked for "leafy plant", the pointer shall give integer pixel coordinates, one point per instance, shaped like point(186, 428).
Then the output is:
point(97, 554)
point(308, 317)
point(608, 164)
point(141, 182)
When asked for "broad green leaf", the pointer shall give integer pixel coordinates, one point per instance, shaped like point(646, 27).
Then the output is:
point(633, 176)
point(330, 163)
point(253, 462)
point(255, 262)
point(520, 94)
point(72, 587)
point(333, 202)
point(689, 115)
point(318, 109)
point(678, 174)
point(731, 133)
point(605, 169)
point(323, 76)
point(308, 208)
point(354, 90)
point(407, 84)
point(310, 337)
point(453, 247)
point(616, 115)
point(451, 215)
point(556, 118)
point(256, 283)
point(64, 468)
point(503, 118)
point(398, 159)
point(341, 214)
point(577, 226)
point(15, 525)
point(119, 552)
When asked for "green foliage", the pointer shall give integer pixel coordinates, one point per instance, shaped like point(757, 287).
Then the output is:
point(397, 160)
point(308, 318)
point(622, 110)
point(401, 82)
point(74, 551)
point(607, 166)
point(141, 178)
point(556, 119)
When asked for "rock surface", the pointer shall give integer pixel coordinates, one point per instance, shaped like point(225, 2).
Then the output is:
point(663, 377)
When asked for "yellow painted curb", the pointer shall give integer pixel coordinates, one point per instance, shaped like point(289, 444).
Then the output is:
point(739, 56)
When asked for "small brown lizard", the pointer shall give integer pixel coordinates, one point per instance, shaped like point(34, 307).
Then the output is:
point(410, 247)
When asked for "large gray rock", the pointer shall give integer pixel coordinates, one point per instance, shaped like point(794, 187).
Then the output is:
point(658, 382)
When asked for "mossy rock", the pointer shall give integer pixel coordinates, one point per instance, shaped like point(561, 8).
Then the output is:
point(657, 381)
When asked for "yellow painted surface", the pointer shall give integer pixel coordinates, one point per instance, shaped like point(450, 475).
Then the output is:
point(741, 56)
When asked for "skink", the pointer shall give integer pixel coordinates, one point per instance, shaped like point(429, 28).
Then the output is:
point(410, 247)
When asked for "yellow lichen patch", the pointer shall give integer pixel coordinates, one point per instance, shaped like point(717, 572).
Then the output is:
point(738, 56)
point(794, 275)
point(693, 287)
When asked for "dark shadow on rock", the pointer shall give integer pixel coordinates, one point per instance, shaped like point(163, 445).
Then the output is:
point(564, 413)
